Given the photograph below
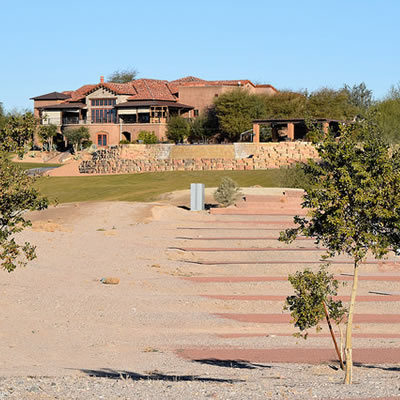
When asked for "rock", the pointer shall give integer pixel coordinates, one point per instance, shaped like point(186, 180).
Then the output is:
point(110, 281)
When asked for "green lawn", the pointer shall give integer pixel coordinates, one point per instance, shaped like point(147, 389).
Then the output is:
point(148, 186)
point(27, 165)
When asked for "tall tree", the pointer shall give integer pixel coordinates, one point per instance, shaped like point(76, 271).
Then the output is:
point(46, 134)
point(285, 104)
point(236, 110)
point(387, 114)
point(123, 76)
point(3, 118)
point(388, 118)
point(178, 129)
point(18, 132)
point(77, 137)
point(353, 201)
point(359, 96)
point(329, 103)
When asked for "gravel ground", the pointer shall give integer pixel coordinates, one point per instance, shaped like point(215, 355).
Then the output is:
point(60, 326)
point(243, 381)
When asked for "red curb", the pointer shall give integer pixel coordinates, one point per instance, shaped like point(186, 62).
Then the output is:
point(215, 249)
point(374, 298)
point(289, 223)
point(292, 355)
point(237, 238)
point(315, 335)
point(230, 228)
point(254, 211)
point(274, 262)
point(238, 279)
point(286, 318)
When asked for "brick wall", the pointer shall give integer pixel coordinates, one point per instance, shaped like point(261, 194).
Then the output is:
point(152, 158)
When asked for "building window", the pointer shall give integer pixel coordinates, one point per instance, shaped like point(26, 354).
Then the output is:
point(102, 140)
point(104, 116)
point(103, 102)
point(196, 113)
point(103, 112)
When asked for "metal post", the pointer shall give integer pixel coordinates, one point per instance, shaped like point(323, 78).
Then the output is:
point(196, 196)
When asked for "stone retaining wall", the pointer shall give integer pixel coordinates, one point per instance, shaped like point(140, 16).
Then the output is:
point(152, 158)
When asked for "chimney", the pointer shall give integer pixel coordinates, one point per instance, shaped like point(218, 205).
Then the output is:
point(102, 79)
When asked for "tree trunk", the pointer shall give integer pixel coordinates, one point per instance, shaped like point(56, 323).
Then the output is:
point(348, 349)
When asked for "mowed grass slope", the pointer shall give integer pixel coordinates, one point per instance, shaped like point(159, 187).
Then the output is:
point(26, 166)
point(147, 186)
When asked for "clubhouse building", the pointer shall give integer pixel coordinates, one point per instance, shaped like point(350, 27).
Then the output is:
point(119, 111)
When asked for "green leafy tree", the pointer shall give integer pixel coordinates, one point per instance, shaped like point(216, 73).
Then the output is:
point(388, 118)
point(203, 128)
point(17, 134)
point(77, 137)
point(394, 92)
point(123, 76)
point(353, 201)
point(285, 104)
point(17, 195)
point(359, 96)
point(46, 134)
point(236, 111)
point(387, 114)
point(3, 117)
point(207, 128)
point(147, 137)
point(313, 302)
point(178, 129)
point(227, 192)
point(329, 103)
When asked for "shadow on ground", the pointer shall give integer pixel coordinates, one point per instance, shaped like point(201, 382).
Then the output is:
point(240, 364)
point(384, 368)
point(153, 376)
point(206, 207)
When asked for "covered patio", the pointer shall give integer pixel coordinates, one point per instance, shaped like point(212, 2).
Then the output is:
point(290, 130)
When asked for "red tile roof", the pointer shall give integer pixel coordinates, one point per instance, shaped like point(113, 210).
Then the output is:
point(152, 89)
point(139, 89)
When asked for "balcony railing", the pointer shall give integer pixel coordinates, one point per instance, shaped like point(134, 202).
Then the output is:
point(73, 121)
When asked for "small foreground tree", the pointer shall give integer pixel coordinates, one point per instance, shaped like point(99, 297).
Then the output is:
point(313, 302)
point(77, 136)
point(354, 202)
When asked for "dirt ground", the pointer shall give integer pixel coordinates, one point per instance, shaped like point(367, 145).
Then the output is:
point(58, 318)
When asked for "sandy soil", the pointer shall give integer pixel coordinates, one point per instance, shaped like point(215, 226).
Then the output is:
point(58, 318)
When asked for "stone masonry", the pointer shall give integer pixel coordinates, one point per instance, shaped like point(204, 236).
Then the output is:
point(156, 158)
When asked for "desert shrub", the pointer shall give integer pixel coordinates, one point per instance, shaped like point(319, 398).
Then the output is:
point(228, 191)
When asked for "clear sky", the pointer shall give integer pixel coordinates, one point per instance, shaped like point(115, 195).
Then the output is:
point(293, 44)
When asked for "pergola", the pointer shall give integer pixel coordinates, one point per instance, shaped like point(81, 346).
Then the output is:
point(289, 125)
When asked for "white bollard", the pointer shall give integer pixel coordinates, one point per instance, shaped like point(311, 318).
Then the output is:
point(196, 196)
